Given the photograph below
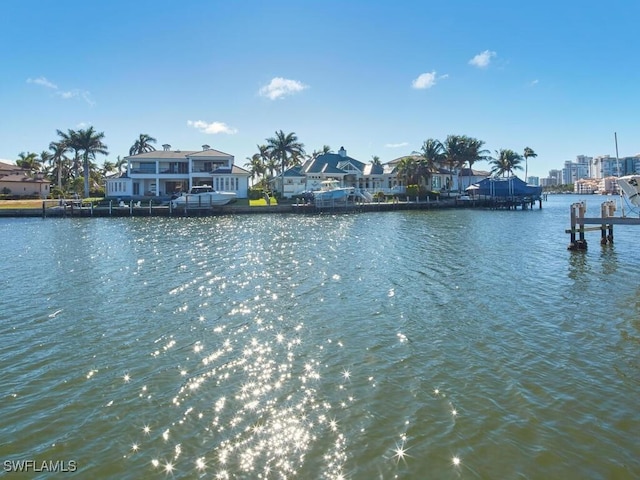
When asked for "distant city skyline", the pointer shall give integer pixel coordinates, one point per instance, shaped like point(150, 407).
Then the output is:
point(374, 78)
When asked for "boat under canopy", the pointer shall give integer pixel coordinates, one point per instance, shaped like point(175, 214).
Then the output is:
point(506, 187)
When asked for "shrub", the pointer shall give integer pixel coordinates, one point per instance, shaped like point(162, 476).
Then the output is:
point(256, 193)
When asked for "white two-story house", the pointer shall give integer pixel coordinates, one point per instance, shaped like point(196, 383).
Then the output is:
point(163, 173)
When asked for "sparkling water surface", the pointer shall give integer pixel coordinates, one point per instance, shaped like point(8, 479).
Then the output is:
point(414, 344)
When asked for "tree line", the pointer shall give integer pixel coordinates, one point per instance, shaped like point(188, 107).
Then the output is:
point(284, 151)
point(69, 163)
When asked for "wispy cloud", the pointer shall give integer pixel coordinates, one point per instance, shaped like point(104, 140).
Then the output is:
point(64, 94)
point(397, 145)
point(281, 87)
point(533, 83)
point(426, 80)
point(483, 59)
point(212, 128)
point(42, 81)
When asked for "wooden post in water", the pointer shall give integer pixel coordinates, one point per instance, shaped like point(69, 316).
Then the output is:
point(607, 210)
point(577, 223)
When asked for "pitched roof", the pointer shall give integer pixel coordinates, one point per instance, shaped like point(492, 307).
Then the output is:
point(6, 168)
point(178, 154)
point(469, 172)
point(331, 163)
point(233, 170)
point(21, 178)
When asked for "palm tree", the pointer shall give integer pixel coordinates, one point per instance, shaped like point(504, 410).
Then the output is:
point(316, 153)
point(121, 164)
point(108, 167)
point(28, 161)
point(142, 144)
point(407, 169)
point(58, 157)
point(255, 166)
point(454, 154)
point(528, 152)
point(90, 143)
point(474, 152)
point(431, 157)
point(284, 148)
point(375, 160)
point(45, 157)
point(68, 139)
point(505, 162)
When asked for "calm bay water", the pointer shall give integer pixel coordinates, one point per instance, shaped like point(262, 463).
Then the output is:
point(416, 344)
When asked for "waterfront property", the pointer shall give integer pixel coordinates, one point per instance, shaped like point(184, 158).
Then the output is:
point(16, 181)
point(166, 172)
point(371, 178)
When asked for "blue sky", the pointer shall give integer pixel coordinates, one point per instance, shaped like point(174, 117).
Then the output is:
point(377, 77)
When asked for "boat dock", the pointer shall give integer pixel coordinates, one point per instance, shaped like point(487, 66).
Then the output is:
point(604, 223)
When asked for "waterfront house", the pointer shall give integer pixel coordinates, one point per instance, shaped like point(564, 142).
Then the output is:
point(16, 181)
point(163, 173)
point(348, 171)
point(442, 179)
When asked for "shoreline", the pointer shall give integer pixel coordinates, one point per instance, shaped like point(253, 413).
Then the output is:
point(309, 209)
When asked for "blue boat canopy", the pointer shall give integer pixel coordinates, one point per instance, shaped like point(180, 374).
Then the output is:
point(505, 187)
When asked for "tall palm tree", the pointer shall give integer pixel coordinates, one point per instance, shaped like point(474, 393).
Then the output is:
point(68, 139)
point(430, 158)
point(375, 160)
point(142, 144)
point(89, 142)
point(505, 162)
point(58, 157)
point(284, 147)
point(454, 154)
point(528, 152)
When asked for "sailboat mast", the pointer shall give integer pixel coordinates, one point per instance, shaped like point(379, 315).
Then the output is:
point(615, 136)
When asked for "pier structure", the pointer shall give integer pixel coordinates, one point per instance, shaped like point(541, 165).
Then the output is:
point(604, 223)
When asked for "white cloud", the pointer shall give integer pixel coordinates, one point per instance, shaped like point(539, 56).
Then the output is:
point(66, 95)
point(42, 81)
point(212, 128)
point(483, 59)
point(396, 145)
point(281, 87)
point(426, 80)
point(533, 83)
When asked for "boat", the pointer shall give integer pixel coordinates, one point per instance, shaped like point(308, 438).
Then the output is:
point(203, 196)
point(630, 188)
point(331, 192)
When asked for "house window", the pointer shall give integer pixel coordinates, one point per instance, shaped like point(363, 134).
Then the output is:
point(147, 167)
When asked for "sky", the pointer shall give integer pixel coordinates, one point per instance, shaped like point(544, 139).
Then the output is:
point(377, 77)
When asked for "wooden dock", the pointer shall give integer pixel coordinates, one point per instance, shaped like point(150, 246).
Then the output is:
point(604, 223)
